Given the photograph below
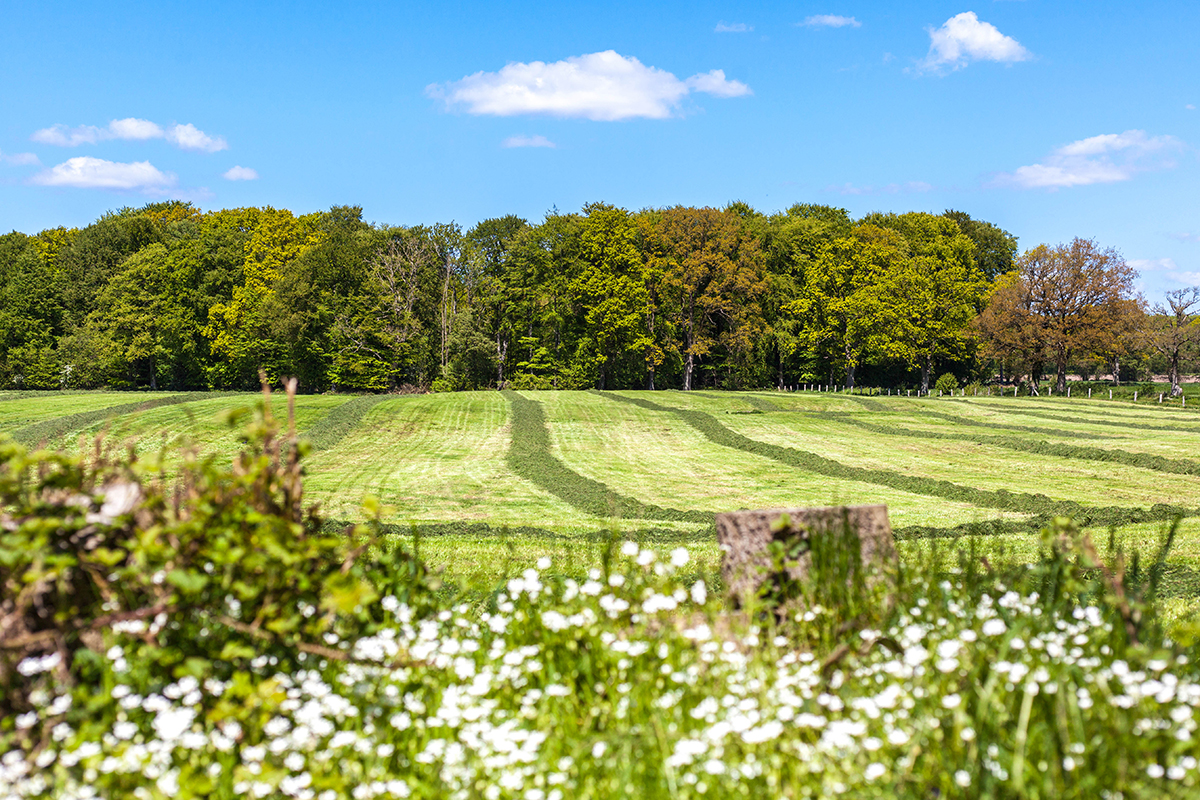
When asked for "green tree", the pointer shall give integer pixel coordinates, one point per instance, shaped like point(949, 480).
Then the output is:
point(933, 294)
point(313, 289)
point(840, 302)
point(145, 320)
point(88, 259)
point(31, 310)
point(610, 289)
point(995, 248)
point(714, 280)
point(791, 241)
point(492, 240)
point(239, 330)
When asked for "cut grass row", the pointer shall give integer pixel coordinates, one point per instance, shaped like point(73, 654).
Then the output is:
point(1115, 423)
point(1084, 426)
point(529, 457)
point(340, 422)
point(442, 458)
point(21, 412)
point(920, 408)
point(968, 463)
point(55, 428)
point(433, 458)
point(657, 459)
point(1084, 413)
point(1176, 466)
point(1034, 504)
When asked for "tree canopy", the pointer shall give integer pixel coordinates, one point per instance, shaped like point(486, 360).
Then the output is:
point(168, 297)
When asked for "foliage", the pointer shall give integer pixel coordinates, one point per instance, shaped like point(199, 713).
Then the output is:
point(1174, 330)
point(168, 296)
point(224, 570)
point(995, 249)
point(1177, 466)
point(1064, 301)
point(934, 295)
point(946, 383)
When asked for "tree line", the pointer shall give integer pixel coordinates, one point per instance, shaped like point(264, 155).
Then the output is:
point(168, 297)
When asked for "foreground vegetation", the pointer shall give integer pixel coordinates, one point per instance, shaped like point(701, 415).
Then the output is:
point(216, 642)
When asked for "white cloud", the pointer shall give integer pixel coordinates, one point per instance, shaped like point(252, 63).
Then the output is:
point(599, 86)
point(240, 174)
point(1108, 158)
point(830, 21)
point(716, 84)
point(1186, 237)
point(963, 38)
point(62, 136)
point(19, 159)
point(733, 27)
point(1166, 266)
point(134, 128)
point(891, 188)
point(527, 141)
point(188, 137)
point(1190, 106)
point(86, 172)
point(1153, 264)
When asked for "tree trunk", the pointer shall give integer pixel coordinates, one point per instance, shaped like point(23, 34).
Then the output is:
point(650, 382)
point(849, 375)
point(926, 368)
point(1116, 370)
point(445, 315)
point(690, 364)
point(501, 352)
point(1061, 382)
point(1173, 375)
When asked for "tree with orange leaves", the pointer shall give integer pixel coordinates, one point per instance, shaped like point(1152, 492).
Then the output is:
point(1064, 302)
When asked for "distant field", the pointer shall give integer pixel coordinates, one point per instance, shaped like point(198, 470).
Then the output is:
point(495, 478)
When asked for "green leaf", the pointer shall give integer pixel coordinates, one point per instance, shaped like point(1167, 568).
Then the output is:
point(187, 582)
point(233, 651)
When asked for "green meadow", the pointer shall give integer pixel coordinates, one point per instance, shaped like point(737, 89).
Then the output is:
point(490, 481)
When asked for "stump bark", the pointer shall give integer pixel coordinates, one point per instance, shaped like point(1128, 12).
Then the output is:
point(745, 539)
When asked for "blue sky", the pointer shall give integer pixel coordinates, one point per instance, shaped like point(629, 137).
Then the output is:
point(1052, 120)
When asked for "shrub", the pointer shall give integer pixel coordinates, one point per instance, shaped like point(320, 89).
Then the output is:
point(947, 383)
point(226, 568)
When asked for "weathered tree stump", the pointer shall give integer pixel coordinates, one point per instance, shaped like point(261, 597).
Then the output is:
point(745, 539)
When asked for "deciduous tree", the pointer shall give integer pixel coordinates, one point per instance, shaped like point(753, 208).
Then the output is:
point(1174, 330)
point(1077, 291)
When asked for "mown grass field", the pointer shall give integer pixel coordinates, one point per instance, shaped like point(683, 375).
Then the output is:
point(493, 480)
